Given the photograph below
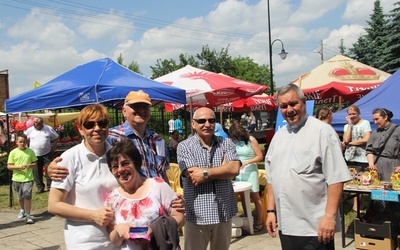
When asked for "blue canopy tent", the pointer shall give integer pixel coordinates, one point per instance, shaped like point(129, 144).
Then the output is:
point(101, 81)
point(385, 96)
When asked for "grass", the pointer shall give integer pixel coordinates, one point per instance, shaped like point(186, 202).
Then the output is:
point(39, 201)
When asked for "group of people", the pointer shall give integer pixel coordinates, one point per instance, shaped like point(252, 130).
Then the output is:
point(28, 163)
point(175, 123)
point(115, 180)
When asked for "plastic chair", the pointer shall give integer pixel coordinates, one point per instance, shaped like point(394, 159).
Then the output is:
point(174, 177)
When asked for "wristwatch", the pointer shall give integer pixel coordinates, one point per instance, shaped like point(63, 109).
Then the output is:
point(205, 174)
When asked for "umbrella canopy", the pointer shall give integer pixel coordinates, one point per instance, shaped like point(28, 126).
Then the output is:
point(205, 88)
point(55, 119)
point(340, 79)
point(385, 96)
point(101, 81)
point(262, 102)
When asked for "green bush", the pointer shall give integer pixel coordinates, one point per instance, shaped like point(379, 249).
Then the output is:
point(4, 172)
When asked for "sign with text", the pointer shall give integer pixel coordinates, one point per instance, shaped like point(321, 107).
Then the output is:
point(385, 195)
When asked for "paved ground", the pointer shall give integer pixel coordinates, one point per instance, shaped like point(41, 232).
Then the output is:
point(47, 234)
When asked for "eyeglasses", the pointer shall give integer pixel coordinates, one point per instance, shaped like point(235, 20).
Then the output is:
point(91, 124)
point(125, 165)
point(202, 121)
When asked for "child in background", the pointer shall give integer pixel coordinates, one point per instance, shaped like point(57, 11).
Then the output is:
point(21, 161)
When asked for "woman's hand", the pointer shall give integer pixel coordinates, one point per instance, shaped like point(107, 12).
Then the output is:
point(179, 203)
point(397, 169)
point(123, 230)
point(372, 167)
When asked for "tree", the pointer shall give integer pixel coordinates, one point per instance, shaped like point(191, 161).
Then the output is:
point(243, 68)
point(134, 66)
point(342, 48)
point(392, 44)
point(370, 48)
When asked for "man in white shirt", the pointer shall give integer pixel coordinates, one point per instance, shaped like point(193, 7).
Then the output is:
point(43, 141)
point(305, 172)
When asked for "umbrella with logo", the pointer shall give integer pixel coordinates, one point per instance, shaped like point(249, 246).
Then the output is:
point(205, 88)
point(340, 79)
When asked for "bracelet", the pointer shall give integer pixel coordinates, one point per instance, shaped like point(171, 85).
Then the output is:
point(270, 211)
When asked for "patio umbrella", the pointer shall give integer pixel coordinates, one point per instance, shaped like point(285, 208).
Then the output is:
point(340, 79)
point(262, 102)
point(205, 88)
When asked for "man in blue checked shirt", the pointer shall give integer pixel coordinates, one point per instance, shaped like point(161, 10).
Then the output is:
point(208, 164)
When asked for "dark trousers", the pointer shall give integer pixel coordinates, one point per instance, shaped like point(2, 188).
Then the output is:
point(43, 160)
point(289, 242)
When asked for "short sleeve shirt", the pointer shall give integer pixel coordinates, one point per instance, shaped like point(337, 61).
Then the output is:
point(300, 164)
point(152, 148)
point(214, 201)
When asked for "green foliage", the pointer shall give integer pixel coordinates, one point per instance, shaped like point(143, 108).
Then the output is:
point(380, 47)
point(133, 66)
point(392, 44)
point(4, 172)
point(243, 68)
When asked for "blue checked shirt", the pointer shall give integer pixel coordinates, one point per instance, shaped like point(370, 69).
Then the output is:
point(152, 148)
point(211, 202)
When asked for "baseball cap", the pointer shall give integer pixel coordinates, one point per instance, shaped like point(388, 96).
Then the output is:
point(137, 97)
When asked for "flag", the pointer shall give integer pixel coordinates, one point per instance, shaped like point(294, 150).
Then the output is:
point(36, 84)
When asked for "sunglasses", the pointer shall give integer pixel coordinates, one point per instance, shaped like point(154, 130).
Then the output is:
point(91, 124)
point(202, 121)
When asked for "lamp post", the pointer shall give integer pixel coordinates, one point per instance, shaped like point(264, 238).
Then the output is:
point(283, 53)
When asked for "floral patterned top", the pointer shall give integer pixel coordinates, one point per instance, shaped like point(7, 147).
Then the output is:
point(141, 212)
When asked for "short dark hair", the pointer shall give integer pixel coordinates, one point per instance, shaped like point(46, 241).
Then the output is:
point(126, 148)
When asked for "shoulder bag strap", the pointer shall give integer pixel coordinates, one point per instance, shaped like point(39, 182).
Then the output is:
point(384, 144)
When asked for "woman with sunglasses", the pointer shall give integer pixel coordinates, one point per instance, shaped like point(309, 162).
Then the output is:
point(384, 154)
point(139, 202)
point(79, 198)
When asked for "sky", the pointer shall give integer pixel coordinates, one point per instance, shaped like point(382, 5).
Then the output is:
point(42, 39)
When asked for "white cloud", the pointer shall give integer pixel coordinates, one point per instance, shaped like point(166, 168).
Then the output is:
point(112, 26)
point(40, 47)
point(48, 30)
point(353, 9)
point(311, 10)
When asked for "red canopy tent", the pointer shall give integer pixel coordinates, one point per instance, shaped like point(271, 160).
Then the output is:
point(205, 88)
point(340, 79)
point(262, 102)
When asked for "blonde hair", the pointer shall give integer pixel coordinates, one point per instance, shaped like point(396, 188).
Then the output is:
point(92, 111)
point(323, 113)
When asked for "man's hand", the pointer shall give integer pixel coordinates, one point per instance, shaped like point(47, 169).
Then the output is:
point(57, 173)
point(196, 175)
point(326, 230)
point(103, 216)
point(179, 203)
point(270, 222)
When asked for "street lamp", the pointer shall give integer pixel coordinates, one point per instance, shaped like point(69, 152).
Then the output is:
point(283, 53)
